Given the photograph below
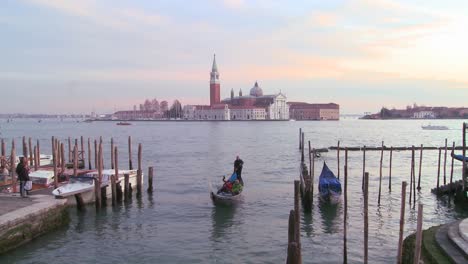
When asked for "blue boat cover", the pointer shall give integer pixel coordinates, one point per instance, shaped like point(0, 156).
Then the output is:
point(233, 178)
point(328, 183)
point(460, 157)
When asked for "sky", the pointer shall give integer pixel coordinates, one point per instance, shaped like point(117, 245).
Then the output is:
point(61, 56)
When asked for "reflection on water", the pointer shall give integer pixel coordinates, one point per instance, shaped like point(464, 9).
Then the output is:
point(222, 216)
point(179, 223)
point(308, 221)
point(329, 211)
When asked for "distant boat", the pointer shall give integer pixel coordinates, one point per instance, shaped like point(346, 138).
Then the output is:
point(123, 124)
point(431, 127)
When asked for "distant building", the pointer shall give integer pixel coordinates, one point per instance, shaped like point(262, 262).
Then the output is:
point(274, 106)
point(133, 115)
point(424, 114)
point(306, 111)
point(206, 112)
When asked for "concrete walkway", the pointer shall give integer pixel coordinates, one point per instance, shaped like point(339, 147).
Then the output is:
point(453, 240)
point(22, 219)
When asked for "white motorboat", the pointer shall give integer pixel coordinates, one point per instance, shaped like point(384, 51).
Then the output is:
point(84, 185)
point(41, 179)
point(431, 127)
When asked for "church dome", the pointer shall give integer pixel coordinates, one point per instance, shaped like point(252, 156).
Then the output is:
point(256, 90)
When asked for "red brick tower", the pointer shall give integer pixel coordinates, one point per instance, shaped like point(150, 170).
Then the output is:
point(214, 84)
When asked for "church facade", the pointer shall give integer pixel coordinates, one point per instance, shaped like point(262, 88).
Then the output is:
point(254, 106)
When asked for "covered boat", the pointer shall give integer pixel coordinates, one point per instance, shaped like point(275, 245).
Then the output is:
point(42, 179)
point(84, 185)
point(329, 185)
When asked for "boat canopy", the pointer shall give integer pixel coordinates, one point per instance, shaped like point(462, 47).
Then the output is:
point(328, 181)
point(460, 157)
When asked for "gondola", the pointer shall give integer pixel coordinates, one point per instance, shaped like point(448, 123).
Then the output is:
point(329, 185)
point(227, 197)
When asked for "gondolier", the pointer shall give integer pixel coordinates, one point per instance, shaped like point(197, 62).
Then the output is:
point(238, 164)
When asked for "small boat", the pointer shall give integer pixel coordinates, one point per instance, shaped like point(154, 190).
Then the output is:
point(42, 179)
point(329, 185)
point(226, 197)
point(431, 127)
point(84, 185)
point(123, 124)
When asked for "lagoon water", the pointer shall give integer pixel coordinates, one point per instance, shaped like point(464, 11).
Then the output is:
point(180, 224)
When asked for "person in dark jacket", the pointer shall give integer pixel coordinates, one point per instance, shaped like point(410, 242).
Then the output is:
point(22, 170)
point(238, 164)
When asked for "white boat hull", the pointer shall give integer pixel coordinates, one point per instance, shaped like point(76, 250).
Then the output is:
point(87, 192)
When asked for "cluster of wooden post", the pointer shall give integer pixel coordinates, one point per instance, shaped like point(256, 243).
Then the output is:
point(32, 156)
point(294, 245)
point(413, 185)
point(306, 176)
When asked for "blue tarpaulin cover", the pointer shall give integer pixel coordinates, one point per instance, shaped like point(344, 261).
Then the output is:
point(328, 183)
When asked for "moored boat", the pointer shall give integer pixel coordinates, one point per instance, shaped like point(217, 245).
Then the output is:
point(431, 127)
point(41, 179)
point(123, 124)
point(329, 185)
point(84, 185)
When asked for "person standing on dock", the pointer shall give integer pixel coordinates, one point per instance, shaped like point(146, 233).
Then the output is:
point(238, 164)
point(22, 170)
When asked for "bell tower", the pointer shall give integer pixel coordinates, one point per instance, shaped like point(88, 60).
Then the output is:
point(214, 84)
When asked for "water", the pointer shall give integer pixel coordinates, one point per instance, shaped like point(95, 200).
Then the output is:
point(180, 224)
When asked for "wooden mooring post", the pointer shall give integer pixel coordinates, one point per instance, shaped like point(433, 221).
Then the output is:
point(338, 159)
point(390, 170)
point(38, 151)
point(82, 150)
point(294, 250)
point(363, 166)
point(417, 249)
point(139, 171)
point(62, 155)
point(130, 165)
point(12, 165)
point(302, 149)
point(3, 149)
point(112, 153)
point(89, 155)
point(150, 179)
point(438, 171)
point(31, 163)
point(25, 150)
point(402, 223)
point(117, 179)
point(464, 170)
point(97, 180)
point(445, 163)
point(75, 161)
point(127, 187)
point(300, 138)
point(380, 174)
point(451, 170)
point(413, 172)
point(366, 217)
point(345, 217)
point(35, 159)
point(95, 155)
point(69, 149)
point(420, 167)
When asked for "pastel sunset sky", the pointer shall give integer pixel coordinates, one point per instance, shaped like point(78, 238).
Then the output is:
point(61, 56)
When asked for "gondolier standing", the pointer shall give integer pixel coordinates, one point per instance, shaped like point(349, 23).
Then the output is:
point(238, 163)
